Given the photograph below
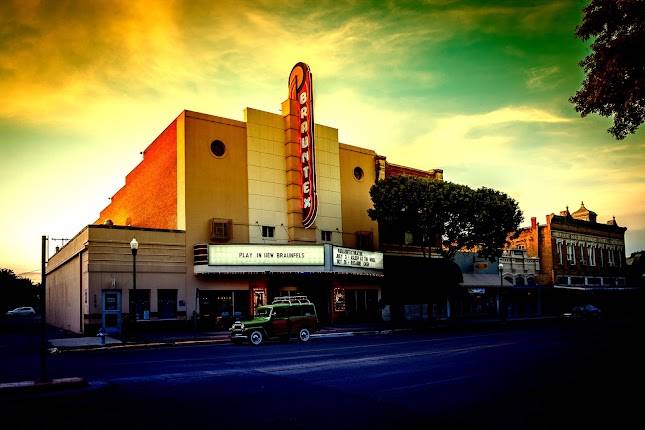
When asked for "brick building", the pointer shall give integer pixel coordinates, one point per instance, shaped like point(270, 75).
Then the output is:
point(576, 251)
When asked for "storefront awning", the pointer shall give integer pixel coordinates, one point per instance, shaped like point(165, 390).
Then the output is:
point(583, 288)
point(206, 270)
point(483, 280)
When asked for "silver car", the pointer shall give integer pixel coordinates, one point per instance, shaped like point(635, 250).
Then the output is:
point(23, 311)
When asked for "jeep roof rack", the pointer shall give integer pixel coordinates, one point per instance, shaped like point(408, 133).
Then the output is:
point(291, 300)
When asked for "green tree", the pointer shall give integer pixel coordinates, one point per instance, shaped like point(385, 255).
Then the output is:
point(444, 214)
point(615, 70)
point(16, 291)
point(495, 216)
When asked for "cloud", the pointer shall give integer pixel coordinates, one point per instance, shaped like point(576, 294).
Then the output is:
point(450, 140)
point(539, 78)
point(83, 60)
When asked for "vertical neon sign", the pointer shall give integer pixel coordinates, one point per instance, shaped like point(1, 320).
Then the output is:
point(301, 91)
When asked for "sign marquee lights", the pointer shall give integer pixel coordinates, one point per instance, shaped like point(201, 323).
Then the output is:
point(301, 91)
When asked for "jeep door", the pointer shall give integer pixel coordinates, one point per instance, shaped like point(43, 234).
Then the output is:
point(309, 317)
point(295, 319)
point(279, 321)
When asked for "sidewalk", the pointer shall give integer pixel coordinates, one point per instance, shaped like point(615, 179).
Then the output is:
point(190, 337)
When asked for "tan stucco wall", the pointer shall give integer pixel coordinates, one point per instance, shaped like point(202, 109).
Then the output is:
point(161, 264)
point(267, 198)
point(356, 193)
point(330, 216)
point(99, 258)
point(214, 187)
point(65, 284)
point(268, 178)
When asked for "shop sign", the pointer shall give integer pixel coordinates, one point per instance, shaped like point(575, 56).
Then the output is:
point(357, 258)
point(477, 291)
point(301, 90)
point(266, 255)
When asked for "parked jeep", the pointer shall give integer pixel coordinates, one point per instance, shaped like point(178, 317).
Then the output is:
point(286, 317)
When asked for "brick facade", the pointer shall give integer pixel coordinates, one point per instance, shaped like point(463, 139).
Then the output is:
point(575, 250)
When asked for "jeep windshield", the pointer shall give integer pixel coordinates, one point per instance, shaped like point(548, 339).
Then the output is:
point(263, 312)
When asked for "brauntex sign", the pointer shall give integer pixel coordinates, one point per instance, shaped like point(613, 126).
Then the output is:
point(301, 90)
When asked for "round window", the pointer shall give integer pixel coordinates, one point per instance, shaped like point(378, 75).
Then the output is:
point(358, 173)
point(218, 148)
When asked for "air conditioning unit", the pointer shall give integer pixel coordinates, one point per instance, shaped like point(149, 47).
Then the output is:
point(221, 230)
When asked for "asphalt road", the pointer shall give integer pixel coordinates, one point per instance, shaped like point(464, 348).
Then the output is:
point(563, 375)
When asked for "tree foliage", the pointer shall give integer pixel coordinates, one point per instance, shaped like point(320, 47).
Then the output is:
point(16, 291)
point(442, 213)
point(615, 70)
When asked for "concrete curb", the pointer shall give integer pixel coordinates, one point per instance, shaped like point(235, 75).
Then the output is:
point(147, 345)
point(34, 386)
point(226, 340)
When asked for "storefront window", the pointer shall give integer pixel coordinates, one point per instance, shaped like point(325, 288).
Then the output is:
point(167, 303)
point(140, 303)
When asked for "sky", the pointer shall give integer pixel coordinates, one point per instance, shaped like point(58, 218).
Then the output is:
point(477, 88)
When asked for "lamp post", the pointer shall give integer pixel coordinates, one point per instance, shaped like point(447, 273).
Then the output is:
point(134, 246)
point(500, 268)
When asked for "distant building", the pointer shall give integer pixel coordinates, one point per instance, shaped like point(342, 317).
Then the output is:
point(519, 268)
point(484, 291)
point(636, 269)
point(575, 251)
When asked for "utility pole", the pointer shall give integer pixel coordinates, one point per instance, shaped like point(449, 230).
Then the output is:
point(43, 314)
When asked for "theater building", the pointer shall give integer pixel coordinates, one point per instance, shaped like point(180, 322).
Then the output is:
point(227, 215)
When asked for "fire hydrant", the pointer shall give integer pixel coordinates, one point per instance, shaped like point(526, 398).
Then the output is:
point(101, 334)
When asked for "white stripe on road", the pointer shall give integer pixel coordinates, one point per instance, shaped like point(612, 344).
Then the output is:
point(372, 360)
point(425, 384)
point(185, 377)
point(297, 354)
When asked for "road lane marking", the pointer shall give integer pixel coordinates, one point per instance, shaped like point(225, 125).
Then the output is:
point(297, 354)
point(185, 377)
point(371, 360)
point(425, 384)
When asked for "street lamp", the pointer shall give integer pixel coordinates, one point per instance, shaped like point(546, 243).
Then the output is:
point(134, 246)
point(500, 268)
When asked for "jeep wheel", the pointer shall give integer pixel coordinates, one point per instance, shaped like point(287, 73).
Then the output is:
point(303, 335)
point(256, 337)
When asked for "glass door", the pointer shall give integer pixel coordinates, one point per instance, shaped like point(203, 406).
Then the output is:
point(111, 315)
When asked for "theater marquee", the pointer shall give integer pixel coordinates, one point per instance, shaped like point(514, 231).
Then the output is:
point(301, 91)
point(266, 255)
point(357, 258)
